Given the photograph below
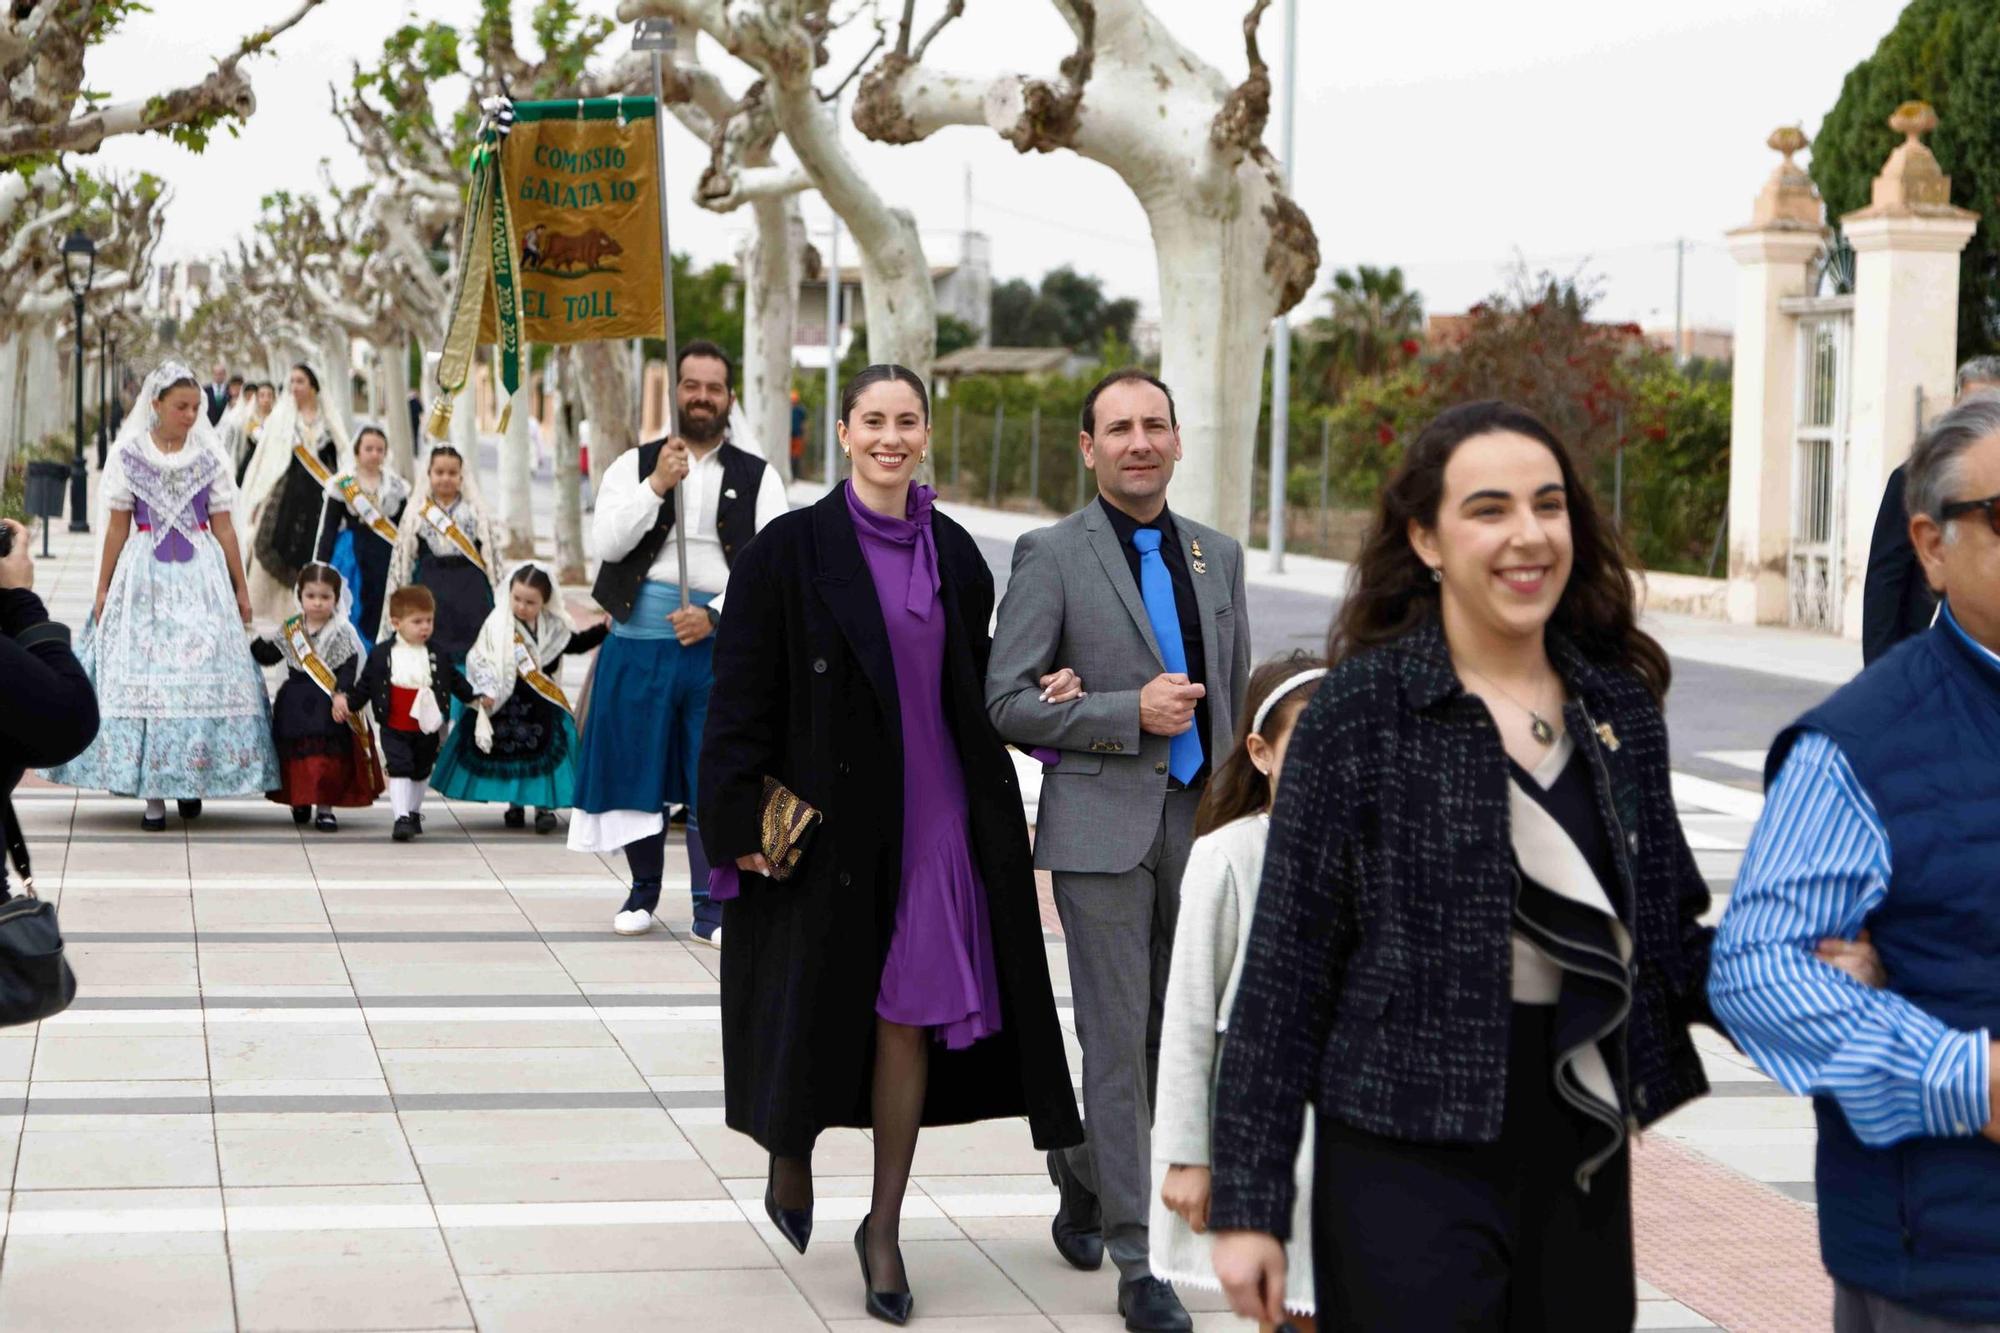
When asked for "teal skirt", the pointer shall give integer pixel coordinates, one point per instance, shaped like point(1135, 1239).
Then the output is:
point(532, 762)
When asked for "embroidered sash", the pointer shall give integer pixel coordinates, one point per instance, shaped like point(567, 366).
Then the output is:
point(364, 507)
point(299, 646)
point(530, 671)
point(314, 468)
point(447, 527)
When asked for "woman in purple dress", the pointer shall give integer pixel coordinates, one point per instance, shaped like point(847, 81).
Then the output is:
point(897, 978)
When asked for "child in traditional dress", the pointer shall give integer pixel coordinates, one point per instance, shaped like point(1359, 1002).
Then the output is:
point(445, 544)
point(182, 702)
point(522, 747)
point(402, 680)
point(1211, 935)
point(363, 508)
point(322, 762)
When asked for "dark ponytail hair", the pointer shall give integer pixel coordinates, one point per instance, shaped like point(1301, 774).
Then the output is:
point(448, 451)
point(534, 577)
point(1391, 590)
point(879, 374)
point(1237, 789)
point(365, 432)
point(307, 371)
point(315, 571)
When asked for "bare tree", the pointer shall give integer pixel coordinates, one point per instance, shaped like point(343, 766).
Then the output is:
point(1233, 249)
point(45, 109)
point(784, 41)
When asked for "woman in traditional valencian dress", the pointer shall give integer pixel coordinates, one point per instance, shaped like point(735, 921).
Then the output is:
point(368, 503)
point(182, 702)
point(446, 543)
point(299, 450)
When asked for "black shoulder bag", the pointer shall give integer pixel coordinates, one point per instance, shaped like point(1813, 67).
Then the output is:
point(35, 979)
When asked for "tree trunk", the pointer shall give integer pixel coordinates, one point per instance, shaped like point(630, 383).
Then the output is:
point(604, 376)
point(395, 366)
point(771, 265)
point(10, 438)
point(44, 413)
point(517, 475)
point(570, 567)
point(336, 371)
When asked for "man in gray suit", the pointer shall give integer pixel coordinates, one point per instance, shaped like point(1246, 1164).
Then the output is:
point(1148, 609)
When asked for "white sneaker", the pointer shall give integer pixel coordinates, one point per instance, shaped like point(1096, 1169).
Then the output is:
point(632, 923)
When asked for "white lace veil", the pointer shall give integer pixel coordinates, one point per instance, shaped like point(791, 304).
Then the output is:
point(134, 466)
point(490, 665)
point(281, 431)
point(338, 641)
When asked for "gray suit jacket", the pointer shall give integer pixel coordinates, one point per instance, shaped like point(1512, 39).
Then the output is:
point(1072, 602)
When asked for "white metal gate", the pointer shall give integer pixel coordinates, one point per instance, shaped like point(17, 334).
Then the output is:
point(1819, 469)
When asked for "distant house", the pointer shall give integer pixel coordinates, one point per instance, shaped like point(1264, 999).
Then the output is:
point(1028, 362)
point(964, 291)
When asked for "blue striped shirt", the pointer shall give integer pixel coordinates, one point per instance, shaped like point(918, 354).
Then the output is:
point(1817, 865)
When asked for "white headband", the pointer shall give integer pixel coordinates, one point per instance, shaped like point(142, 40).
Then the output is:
point(1271, 701)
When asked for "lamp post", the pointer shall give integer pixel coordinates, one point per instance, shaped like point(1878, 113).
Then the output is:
point(103, 392)
point(79, 256)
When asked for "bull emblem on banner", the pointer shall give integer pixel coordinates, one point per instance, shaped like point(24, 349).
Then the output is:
point(543, 251)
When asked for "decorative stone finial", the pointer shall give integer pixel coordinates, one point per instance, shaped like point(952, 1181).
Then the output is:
point(1912, 184)
point(1788, 201)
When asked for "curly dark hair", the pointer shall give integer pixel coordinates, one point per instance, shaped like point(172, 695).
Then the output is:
point(1391, 591)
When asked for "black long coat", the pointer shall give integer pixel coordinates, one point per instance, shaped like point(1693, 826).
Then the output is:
point(805, 691)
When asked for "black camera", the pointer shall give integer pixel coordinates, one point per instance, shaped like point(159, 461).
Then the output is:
point(6, 541)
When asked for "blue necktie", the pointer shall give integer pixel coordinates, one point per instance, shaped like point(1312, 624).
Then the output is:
point(1156, 589)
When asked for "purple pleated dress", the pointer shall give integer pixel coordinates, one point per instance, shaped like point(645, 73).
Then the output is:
point(940, 972)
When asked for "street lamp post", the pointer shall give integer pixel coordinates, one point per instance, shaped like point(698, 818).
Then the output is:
point(103, 392)
point(79, 256)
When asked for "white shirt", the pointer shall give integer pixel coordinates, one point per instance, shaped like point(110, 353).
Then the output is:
point(409, 665)
point(627, 508)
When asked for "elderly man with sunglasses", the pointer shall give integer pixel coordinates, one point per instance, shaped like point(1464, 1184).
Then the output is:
point(1883, 814)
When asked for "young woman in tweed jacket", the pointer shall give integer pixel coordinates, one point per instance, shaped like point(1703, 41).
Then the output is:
point(1477, 946)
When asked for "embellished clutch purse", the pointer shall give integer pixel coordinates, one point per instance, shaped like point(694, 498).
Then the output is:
point(785, 823)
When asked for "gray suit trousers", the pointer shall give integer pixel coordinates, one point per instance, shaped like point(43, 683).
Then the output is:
point(1119, 933)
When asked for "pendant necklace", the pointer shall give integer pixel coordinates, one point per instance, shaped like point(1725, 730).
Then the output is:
point(1538, 726)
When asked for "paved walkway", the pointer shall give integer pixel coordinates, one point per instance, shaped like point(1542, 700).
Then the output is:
point(328, 1082)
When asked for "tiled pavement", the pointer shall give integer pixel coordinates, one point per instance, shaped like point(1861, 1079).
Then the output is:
point(327, 1082)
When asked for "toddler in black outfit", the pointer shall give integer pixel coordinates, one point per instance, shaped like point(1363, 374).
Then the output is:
point(402, 680)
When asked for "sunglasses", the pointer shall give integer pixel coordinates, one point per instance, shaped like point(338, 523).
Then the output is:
point(1991, 504)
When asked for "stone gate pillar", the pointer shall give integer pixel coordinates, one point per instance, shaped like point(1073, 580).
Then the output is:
point(1774, 254)
point(1906, 248)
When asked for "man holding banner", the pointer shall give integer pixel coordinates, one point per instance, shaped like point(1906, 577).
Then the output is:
point(649, 697)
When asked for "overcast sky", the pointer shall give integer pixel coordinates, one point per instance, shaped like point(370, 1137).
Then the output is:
point(1447, 136)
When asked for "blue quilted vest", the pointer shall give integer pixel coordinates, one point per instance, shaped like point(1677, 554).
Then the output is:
point(1919, 1222)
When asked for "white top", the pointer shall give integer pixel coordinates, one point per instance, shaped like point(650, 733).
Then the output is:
point(1211, 942)
point(627, 508)
point(409, 665)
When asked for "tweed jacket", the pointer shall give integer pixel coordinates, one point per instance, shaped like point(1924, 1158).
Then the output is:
point(1378, 978)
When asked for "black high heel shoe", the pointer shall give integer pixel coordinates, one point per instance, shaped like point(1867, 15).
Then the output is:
point(189, 809)
point(891, 1307)
point(794, 1224)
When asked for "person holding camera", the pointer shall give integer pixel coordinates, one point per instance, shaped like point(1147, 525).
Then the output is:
point(48, 712)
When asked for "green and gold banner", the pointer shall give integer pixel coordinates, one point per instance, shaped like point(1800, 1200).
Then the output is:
point(578, 178)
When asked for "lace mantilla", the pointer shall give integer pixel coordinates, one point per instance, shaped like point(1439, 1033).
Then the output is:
point(169, 484)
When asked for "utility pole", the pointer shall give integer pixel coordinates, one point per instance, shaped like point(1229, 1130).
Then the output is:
point(833, 348)
point(1281, 329)
point(1680, 287)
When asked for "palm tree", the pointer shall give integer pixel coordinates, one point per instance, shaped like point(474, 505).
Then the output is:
point(1371, 315)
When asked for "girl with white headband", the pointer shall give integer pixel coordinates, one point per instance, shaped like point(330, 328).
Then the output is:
point(1218, 900)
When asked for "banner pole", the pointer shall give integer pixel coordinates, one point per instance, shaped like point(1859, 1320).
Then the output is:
point(667, 310)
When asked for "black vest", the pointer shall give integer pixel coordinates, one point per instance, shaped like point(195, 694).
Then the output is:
point(617, 586)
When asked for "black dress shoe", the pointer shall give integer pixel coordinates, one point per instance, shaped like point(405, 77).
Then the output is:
point(404, 830)
point(515, 817)
point(188, 809)
point(302, 815)
point(794, 1224)
point(1079, 1225)
point(153, 823)
point(545, 821)
point(891, 1307)
point(1150, 1306)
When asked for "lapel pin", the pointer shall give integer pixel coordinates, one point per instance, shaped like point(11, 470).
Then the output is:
point(1200, 567)
point(1608, 736)
point(1194, 548)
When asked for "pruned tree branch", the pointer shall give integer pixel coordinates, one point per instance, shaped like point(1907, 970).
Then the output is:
point(41, 78)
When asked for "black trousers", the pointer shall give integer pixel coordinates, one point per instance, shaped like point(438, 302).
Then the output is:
point(1476, 1238)
point(409, 754)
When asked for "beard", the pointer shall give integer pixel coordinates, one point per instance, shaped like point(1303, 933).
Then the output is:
point(703, 428)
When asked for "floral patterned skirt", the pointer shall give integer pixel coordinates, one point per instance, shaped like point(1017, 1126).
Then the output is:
point(182, 702)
